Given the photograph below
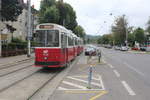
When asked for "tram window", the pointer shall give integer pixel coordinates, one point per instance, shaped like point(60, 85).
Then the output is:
point(70, 41)
point(40, 38)
point(63, 40)
point(48, 38)
point(53, 38)
point(76, 43)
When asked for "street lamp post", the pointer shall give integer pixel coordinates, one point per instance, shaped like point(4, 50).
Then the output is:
point(0, 29)
point(126, 29)
point(29, 29)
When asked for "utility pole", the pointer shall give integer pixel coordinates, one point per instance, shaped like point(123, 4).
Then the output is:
point(126, 29)
point(0, 29)
point(29, 35)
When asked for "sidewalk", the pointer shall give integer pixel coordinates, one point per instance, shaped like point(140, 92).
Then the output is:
point(7, 60)
point(138, 52)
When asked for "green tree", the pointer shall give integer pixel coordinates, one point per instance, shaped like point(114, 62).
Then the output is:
point(79, 31)
point(131, 39)
point(106, 39)
point(48, 11)
point(119, 30)
point(148, 26)
point(11, 9)
point(139, 35)
point(68, 15)
point(52, 11)
point(51, 14)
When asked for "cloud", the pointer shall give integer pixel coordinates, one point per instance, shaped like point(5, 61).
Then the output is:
point(91, 14)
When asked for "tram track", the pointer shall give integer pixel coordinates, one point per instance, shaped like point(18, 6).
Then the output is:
point(28, 83)
point(1, 75)
point(42, 86)
point(5, 66)
point(5, 88)
point(40, 77)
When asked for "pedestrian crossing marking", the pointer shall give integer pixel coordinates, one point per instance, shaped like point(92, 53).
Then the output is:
point(80, 83)
point(74, 85)
point(93, 83)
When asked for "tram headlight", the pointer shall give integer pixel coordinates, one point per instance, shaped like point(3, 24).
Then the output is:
point(45, 58)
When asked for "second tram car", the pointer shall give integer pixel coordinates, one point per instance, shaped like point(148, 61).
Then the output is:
point(57, 46)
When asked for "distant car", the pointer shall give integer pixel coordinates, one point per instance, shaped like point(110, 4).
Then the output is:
point(90, 51)
point(134, 48)
point(124, 48)
point(109, 47)
point(117, 47)
point(143, 48)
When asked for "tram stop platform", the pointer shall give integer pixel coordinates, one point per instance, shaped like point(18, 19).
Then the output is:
point(76, 86)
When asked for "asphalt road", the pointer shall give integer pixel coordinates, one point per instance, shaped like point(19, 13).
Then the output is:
point(131, 68)
point(120, 76)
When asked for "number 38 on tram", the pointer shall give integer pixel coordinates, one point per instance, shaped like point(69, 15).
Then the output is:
point(57, 46)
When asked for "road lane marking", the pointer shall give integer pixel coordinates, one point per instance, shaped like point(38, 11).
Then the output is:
point(110, 66)
point(61, 88)
point(93, 83)
point(75, 85)
point(117, 73)
point(127, 87)
point(99, 95)
point(134, 69)
point(80, 91)
point(101, 81)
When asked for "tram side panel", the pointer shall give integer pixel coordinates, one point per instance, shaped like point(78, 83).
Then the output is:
point(70, 54)
point(49, 57)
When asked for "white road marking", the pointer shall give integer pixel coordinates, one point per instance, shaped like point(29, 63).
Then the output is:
point(93, 83)
point(61, 88)
point(127, 87)
point(134, 69)
point(95, 78)
point(117, 73)
point(101, 81)
point(110, 66)
point(74, 85)
point(81, 89)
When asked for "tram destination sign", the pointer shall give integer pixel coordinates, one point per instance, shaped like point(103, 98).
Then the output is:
point(46, 26)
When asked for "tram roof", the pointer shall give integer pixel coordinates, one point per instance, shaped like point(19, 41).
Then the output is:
point(56, 26)
point(51, 26)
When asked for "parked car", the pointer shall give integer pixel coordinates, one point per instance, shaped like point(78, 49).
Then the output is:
point(124, 48)
point(143, 48)
point(90, 51)
point(117, 47)
point(134, 48)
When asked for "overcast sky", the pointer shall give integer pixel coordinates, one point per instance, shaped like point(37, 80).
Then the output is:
point(91, 14)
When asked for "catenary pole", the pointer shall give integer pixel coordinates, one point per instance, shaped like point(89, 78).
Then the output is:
point(29, 29)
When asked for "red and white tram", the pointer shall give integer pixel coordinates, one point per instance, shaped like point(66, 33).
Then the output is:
point(57, 46)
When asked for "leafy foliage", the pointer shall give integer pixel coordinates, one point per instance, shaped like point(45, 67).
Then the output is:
point(106, 39)
point(53, 11)
point(119, 30)
point(51, 14)
point(148, 26)
point(11, 9)
point(79, 31)
point(139, 35)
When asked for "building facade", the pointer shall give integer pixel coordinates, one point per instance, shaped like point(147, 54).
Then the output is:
point(20, 26)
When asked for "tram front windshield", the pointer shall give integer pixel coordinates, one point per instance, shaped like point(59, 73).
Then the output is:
point(48, 38)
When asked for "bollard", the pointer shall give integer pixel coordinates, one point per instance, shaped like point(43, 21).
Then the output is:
point(90, 77)
point(99, 57)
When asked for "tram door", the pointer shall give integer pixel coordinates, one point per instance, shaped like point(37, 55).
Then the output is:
point(64, 46)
